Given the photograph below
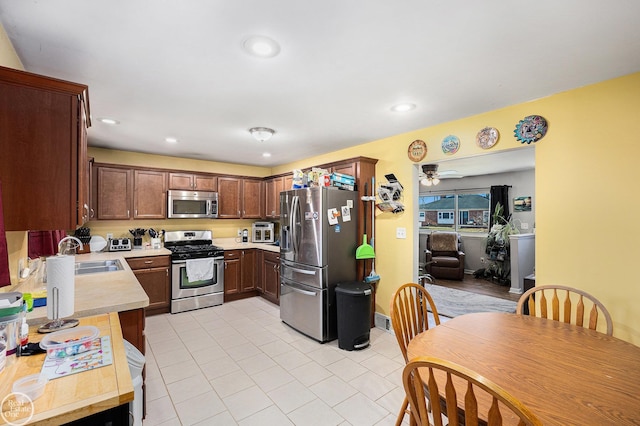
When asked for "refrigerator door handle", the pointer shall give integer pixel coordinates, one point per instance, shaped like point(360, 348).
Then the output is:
point(305, 292)
point(301, 271)
point(295, 212)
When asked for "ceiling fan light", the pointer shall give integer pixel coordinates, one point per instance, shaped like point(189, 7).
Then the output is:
point(435, 181)
point(262, 134)
point(424, 181)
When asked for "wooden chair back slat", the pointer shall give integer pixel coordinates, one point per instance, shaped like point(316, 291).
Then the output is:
point(495, 418)
point(586, 304)
point(471, 406)
point(555, 304)
point(461, 380)
point(567, 310)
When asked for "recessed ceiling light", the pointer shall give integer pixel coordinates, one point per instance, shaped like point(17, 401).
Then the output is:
point(111, 121)
point(171, 140)
point(261, 46)
point(403, 107)
point(266, 154)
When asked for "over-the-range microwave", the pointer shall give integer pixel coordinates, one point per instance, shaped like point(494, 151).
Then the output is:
point(192, 205)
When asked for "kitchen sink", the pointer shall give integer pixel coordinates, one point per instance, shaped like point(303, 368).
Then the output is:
point(94, 267)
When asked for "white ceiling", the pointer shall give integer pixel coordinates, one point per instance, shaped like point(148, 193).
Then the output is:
point(176, 68)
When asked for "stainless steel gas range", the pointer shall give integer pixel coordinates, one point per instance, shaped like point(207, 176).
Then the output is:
point(197, 270)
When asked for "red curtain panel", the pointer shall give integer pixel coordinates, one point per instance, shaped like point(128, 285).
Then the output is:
point(5, 277)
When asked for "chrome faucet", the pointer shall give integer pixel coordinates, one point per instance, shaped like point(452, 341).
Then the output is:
point(69, 250)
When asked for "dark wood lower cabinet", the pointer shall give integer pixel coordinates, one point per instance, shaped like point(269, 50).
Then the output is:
point(239, 274)
point(153, 275)
point(271, 277)
point(132, 324)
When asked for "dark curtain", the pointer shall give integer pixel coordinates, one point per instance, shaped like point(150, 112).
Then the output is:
point(5, 276)
point(499, 194)
point(44, 243)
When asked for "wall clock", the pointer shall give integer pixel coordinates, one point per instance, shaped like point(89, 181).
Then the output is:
point(417, 150)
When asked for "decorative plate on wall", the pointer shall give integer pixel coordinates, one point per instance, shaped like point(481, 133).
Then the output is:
point(531, 129)
point(450, 144)
point(487, 137)
point(417, 150)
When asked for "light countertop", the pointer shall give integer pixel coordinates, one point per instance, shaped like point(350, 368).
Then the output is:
point(100, 293)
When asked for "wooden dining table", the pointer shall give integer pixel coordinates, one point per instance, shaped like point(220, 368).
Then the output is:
point(566, 374)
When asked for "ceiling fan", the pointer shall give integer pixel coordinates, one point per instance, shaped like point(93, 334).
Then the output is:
point(430, 175)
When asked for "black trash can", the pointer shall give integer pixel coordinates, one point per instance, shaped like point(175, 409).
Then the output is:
point(353, 300)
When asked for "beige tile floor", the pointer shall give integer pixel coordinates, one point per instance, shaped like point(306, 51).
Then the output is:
point(238, 364)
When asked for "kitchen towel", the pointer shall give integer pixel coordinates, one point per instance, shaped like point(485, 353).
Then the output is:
point(200, 269)
point(5, 276)
point(61, 276)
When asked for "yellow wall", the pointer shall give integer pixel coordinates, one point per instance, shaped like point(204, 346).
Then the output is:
point(586, 207)
point(8, 56)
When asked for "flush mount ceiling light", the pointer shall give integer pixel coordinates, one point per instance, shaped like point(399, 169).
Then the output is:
point(110, 121)
point(262, 134)
point(403, 107)
point(261, 46)
point(266, 154)
point(430, 177)
point(171, 139)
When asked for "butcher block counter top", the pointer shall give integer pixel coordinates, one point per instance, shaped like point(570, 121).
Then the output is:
point(75, 396)
point(102, 292)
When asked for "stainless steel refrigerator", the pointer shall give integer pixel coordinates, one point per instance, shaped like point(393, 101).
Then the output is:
point(318, 240)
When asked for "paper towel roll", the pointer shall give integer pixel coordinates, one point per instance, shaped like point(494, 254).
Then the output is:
point(61, 275)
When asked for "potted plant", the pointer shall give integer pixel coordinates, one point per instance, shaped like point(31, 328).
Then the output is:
point(497, 248)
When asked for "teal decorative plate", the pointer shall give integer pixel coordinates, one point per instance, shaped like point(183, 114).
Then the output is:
point(450, 144)
point(531, 129)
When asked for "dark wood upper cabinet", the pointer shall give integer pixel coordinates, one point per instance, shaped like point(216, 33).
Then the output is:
point(193, 182)
point(229, 193)
point(114, 193)
point(149, 194)
point(240, 198)
point(43, 140)
point(126, 193)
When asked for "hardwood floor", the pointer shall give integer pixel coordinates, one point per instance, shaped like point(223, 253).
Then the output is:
point(480, 286)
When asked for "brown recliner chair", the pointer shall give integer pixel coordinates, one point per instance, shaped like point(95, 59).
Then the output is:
point(445, 258)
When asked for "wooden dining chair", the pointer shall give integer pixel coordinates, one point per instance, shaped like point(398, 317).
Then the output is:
point(443, 381)
point(544, 301)
point(411, 307)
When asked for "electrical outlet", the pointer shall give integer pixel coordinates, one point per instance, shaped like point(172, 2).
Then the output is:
point(482, 260)
point(524, 225)
point(239, 232)
point(401, 232)
point(109, 236)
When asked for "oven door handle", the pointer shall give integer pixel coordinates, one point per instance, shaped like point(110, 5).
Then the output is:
point(177, 262)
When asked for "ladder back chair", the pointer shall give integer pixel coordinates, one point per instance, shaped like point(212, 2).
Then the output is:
point(439, 381)
point(411, 307)
point(576, 306)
